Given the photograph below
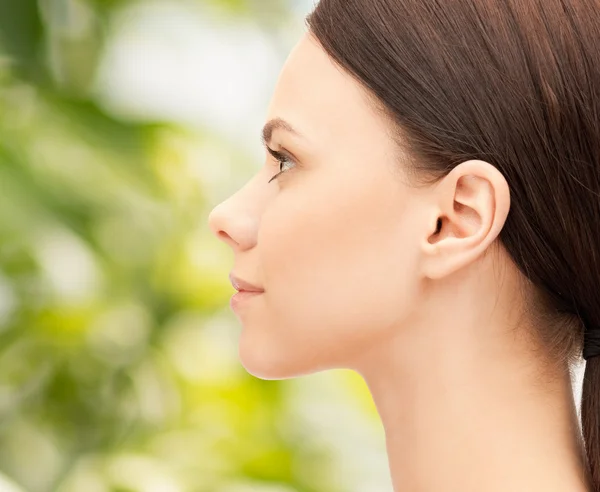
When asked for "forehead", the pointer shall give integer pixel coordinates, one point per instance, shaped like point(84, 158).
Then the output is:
point(320, 100)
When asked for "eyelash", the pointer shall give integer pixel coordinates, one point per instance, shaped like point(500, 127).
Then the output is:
point(283, 159)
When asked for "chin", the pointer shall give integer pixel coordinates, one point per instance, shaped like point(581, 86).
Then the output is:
point(274, 358)
point(266, 369)
point(263, 365)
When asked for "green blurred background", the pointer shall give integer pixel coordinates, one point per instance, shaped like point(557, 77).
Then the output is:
point(122, 124)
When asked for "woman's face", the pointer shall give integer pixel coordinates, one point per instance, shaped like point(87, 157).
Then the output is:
point(333, 241)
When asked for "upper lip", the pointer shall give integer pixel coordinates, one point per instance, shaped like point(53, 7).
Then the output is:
point(242, 285)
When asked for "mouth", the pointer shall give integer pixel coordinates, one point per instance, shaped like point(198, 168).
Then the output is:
point(240, 299)
point(242, 285)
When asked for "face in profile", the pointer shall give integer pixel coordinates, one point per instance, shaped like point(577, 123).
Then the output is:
point(332, 239)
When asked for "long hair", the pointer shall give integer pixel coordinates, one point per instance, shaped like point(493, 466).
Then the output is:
point(517, 84)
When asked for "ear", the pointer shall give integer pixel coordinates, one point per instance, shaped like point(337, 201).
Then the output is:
point(472, 204)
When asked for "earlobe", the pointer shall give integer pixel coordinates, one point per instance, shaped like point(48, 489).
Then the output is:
point(472, 205)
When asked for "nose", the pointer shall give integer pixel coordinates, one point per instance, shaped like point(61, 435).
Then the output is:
point(217, 224)
point(235, 220)
point(236, 227)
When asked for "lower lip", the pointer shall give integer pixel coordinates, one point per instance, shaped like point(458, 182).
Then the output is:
point(242, 297)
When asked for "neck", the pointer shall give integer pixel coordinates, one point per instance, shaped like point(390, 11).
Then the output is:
point(472, 423)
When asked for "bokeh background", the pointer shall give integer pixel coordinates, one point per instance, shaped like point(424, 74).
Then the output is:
point(122, 124)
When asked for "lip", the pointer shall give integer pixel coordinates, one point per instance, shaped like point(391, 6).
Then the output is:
point(243, 286)
point(241, 297)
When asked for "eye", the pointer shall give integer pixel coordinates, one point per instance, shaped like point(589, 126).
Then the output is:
point(283, 159)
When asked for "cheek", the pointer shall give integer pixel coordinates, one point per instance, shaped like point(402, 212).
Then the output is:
point(338, 275)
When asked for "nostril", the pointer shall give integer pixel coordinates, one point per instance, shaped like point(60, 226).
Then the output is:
point(226, 238)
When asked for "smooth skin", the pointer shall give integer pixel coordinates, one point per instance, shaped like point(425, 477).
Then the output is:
point(357, 275)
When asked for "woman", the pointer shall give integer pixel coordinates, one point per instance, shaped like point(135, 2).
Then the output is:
point(435, 226)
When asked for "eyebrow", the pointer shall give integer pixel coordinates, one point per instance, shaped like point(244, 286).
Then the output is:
point(274, 124)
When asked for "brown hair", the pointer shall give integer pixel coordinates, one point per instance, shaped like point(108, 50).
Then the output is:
point(517, 84)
